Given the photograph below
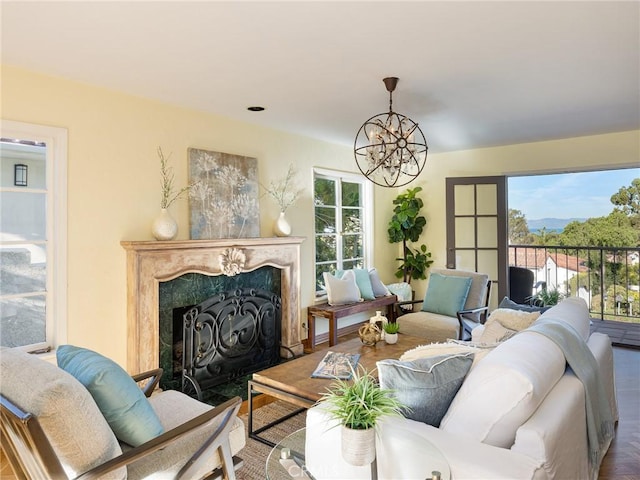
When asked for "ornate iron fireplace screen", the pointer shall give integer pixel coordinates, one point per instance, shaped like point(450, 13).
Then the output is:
point(228, 336)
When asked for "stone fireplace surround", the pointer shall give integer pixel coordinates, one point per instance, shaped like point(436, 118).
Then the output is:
point(151, 262)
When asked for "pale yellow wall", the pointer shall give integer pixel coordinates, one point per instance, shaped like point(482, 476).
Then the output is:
point(114, 187)
point(595, 152)
point(113, 184)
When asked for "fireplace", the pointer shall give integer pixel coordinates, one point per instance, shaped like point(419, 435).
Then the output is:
point(149, 264)
point(228, 336)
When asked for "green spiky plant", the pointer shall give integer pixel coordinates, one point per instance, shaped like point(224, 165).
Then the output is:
point(358, 403)
point(392, 327)
point(546, 297)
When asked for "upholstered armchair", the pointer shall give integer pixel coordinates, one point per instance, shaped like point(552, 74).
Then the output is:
point(455, 302)
point(53, 427)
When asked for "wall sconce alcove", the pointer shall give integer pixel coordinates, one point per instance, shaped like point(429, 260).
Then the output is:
point(20, 175)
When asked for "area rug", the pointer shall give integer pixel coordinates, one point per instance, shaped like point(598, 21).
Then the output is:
point(255, 453)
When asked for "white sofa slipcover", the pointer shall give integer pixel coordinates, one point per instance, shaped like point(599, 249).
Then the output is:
point(549, 443)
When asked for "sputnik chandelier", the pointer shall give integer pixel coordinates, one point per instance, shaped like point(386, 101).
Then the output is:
point(390, 149)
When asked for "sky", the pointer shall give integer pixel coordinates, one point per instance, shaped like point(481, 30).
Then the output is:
point(568, 195)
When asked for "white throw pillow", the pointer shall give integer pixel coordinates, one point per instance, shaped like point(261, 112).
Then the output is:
point(379, 288)
point(494, 333)
point(504, 389)
point(513, 319)
point(445, 348)
point(342, 291)
point(503, 323)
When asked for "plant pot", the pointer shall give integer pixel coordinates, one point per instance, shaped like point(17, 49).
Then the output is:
point(164, 227)
point(391, 338)
point(358, 446)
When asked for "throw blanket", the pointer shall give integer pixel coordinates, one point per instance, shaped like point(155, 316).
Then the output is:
point(600, 426)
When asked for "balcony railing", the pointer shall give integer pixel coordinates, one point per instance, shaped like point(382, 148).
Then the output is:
point(606, 278)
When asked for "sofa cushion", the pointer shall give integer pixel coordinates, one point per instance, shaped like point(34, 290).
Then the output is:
point(427, 385)
point(69, 417)
point(175, 408)
point(341, 291)
point(119, 398)
point(446, 294)
point(433, 327)
point(505, 388)
point(575, 312)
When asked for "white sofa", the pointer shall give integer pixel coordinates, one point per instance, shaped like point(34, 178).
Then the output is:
point(517, 415)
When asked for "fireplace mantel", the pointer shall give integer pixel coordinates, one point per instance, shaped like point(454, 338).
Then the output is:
point(152, 262)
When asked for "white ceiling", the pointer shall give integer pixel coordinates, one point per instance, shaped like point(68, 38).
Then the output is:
point(472, 74)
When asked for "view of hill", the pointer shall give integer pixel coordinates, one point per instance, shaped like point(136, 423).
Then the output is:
point(551, 224)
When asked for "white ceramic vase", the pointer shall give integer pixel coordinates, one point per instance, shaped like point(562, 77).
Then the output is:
point(281, 227)
point(358, 446)
point(164, 227)
point(380, 320)
point(391, 338)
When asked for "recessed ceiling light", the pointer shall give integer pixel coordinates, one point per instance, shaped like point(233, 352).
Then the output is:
point(255, 109)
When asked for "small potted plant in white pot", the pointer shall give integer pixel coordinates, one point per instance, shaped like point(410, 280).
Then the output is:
point(391, 330)
point(358, 404)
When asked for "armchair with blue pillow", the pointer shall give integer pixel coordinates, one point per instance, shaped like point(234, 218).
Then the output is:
point(87, 418)
point(455, 302)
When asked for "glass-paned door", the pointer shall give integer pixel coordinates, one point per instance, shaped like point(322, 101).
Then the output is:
point(477, 228)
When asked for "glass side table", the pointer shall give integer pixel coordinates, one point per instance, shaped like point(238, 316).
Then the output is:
point(286, 461)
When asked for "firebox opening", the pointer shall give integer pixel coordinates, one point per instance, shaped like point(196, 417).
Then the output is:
point(232, 335)
point(229, 336)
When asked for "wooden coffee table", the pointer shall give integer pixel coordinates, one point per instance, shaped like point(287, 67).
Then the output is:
point(291, 381)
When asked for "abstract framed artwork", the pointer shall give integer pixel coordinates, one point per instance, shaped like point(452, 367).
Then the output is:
point(223, 202)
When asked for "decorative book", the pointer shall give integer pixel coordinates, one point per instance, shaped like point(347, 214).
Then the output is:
point(336, 365)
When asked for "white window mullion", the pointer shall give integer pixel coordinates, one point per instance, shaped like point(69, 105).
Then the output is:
point(339, 226)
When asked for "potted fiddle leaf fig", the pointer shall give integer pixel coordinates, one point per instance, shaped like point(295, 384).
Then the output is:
point(358, 404)
point(406, 225)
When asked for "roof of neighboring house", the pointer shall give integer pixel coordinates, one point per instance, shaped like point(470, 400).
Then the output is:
point(535, 258)
point(527, 257)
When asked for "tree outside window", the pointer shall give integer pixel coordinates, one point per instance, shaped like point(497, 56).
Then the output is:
point(340, 224)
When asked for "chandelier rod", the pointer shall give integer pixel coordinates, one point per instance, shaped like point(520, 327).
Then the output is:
point(390, 83)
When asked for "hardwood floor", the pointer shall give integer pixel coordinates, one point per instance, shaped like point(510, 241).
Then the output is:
point(622, 461)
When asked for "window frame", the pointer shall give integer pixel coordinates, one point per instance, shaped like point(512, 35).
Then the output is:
point(367, 218)
point(55, 139)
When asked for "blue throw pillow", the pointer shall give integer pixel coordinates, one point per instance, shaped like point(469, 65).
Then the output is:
point(508, 303)
point(425, 386)
point(362, 280)
point(446, 294)
point(121, 401)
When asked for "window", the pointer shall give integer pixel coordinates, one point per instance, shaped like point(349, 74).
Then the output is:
point(32, 236)
point(342, 222)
